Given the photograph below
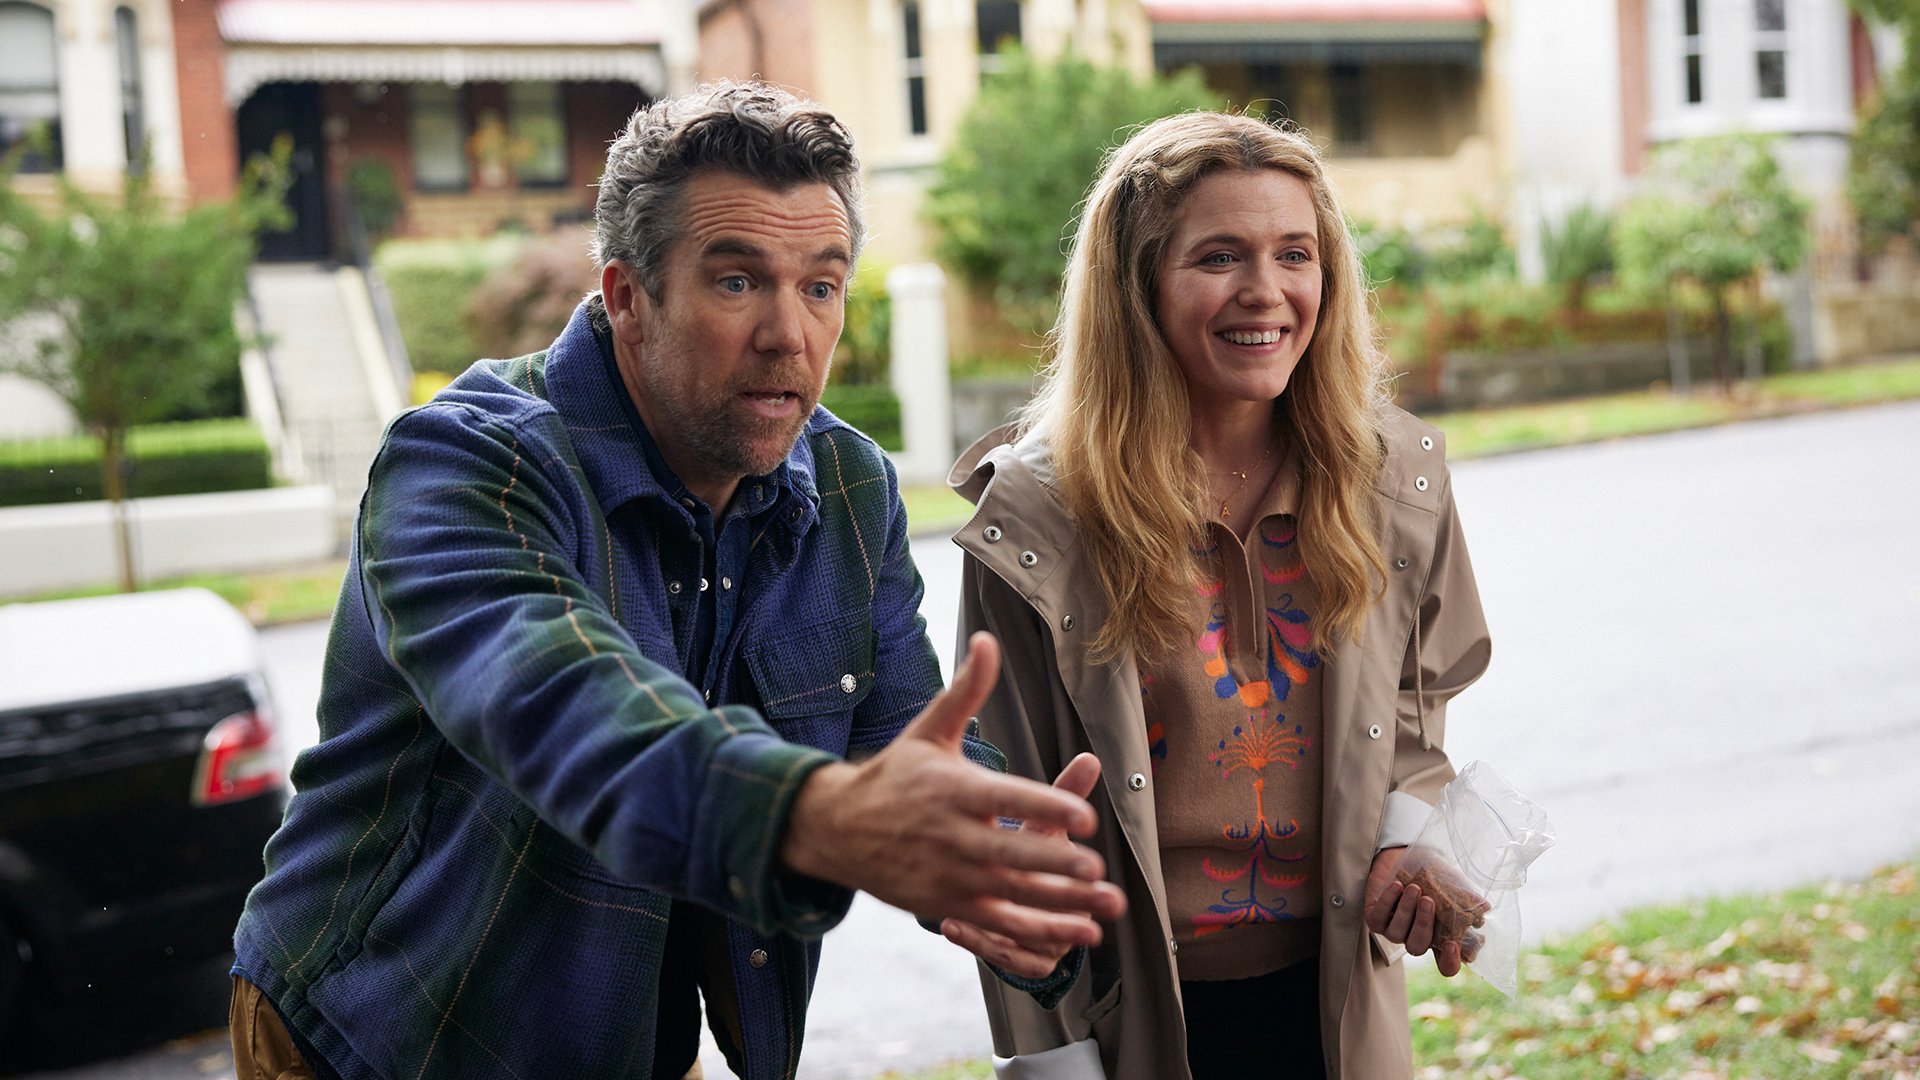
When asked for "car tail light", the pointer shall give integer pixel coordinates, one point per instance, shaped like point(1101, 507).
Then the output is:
point(239, 759)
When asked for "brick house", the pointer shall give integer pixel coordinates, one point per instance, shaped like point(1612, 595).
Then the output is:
point(481, 112)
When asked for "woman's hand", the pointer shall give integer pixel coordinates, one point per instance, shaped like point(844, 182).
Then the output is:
point(1003, 952)
point(1403, 916)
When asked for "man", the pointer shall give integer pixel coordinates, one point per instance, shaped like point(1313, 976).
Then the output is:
point(614, 615)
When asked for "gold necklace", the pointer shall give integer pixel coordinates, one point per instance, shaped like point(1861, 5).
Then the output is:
point(1243, 474)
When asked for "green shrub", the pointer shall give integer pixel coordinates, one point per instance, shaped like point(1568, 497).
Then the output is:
point(1578, 250)
point(375, 194)
point(431, 282)
point(1469, 251)
point(1390, 256)
point(163, 459)
point(522, 305)
point(865, 353)
point(871, 408)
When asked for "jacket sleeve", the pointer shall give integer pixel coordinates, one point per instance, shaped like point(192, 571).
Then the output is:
point(1449, 652)
point(469, 580)
point(1019, 717)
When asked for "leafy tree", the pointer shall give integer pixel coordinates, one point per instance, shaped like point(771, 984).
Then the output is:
point(1717, 212)
point(126, 310)
point(1008, 191)
point(1883, 166)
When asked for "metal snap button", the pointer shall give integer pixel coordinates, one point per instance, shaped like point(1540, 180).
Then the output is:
point(757, 958)
point(686, 502)
point(992, 533)
point(726, 583)
point(737, 887)
point(1337, 900)
point(1173, 947)
point(1426, 442)
point(1373, 732)
point(1028, 559)
point(1066, 622)
point(1400, 563)
point(673, 587)
point(848, 683)
point(1137, 781)
point(793, 518)
point(1420, 482)
point(703, 584)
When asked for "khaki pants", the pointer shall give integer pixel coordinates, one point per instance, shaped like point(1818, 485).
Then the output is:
point(262, 1049)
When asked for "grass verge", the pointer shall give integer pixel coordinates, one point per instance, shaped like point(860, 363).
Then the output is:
point(1816, 982)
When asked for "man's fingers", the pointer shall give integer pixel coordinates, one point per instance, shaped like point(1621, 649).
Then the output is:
point(998, 950)
point(1044, 808)
point(1051, 892)
point(1079, 776)
point(1031, 928)
point(944, 720)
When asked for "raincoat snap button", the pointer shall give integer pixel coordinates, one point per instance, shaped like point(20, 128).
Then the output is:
point(1426, 442)
point(1420, 483)
point(1137, 781)
point(1400, 563)
point(1028, 559)
point(673, 587)
point(1373, 732)
point(992, 534)
point(1337, 900)
point(703, 584)
point(1066, 622)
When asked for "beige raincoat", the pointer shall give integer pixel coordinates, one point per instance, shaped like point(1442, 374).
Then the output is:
point(1029, 581)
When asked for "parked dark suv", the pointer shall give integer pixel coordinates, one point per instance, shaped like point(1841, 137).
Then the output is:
point(140, 776)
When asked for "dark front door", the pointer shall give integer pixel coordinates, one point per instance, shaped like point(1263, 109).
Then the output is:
point(293, 110)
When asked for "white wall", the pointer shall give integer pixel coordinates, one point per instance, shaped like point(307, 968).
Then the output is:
point(1819, 97)
point(31, 411)
point(69, 545)
point(1562, 59)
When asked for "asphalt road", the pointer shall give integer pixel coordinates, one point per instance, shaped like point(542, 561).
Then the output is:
point(1706, 668)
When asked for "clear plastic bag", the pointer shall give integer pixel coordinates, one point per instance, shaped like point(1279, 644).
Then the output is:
point(1471, 857)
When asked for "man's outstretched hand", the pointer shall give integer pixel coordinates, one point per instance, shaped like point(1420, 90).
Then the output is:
point(1035, 961)
point(917, 826)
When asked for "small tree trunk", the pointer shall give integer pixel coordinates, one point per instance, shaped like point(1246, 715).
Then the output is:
point(1722, 342)
point(113, 458)
point(1679, 365)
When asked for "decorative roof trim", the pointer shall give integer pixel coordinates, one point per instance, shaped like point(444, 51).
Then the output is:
point(250, 66)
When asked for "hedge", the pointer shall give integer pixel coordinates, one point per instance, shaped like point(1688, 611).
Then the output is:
point(430, 282)
point(164, 459)
point(870, 407)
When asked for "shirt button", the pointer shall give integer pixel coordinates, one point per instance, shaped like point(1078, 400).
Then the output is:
point(1373, 732)
point(1337, 900)
point(673, 587)
point(1420, 482)
point(709, 695)
point(848, 683)
point(1137, 781)
point(992, 534)
point(703, 584)
point(726, 583)
point(686, 501)
point(757, 958)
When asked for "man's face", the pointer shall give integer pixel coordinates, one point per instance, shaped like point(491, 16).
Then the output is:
point(726, 367)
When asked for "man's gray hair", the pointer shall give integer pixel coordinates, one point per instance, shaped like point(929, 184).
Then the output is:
point(752, 130)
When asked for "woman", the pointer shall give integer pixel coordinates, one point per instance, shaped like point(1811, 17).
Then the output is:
point(1204, 548)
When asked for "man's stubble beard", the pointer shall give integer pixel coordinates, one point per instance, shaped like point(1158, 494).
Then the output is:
point(722, 442)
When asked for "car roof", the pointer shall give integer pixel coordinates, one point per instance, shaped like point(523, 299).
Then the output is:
point(109, 646)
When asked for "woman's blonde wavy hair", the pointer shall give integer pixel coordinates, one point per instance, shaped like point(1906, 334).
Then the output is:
point(1114, 406)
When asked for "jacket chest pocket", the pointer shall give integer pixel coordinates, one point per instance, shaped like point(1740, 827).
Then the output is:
point(811, 678)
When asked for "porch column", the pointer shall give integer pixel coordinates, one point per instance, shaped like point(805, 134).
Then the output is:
point(919, 372)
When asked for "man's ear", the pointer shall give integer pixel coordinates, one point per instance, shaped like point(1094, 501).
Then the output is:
point(628, 305)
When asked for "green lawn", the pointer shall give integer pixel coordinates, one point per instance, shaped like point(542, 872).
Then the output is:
point(1816, 982)
point(308, 592)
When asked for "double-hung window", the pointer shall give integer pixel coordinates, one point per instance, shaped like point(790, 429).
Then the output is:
point(29, 87)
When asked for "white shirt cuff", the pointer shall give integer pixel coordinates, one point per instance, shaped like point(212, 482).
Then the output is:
point(1405, 816)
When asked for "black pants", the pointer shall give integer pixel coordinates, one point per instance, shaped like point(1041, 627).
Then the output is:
point(1267, 1026)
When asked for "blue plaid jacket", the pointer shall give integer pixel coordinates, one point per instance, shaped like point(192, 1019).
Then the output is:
point(513, 779)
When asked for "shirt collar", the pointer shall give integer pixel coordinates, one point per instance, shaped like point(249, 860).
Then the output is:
point(619, 456)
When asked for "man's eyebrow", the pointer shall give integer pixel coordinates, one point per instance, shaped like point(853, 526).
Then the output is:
point(730, 246)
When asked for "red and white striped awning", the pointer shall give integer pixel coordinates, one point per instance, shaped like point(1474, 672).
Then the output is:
point(1379, 14)
point(449, 41)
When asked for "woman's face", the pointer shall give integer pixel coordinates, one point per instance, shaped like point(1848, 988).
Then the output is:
point(1239, 284)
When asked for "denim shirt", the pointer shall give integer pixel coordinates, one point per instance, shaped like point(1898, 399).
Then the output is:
point(515, 780)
